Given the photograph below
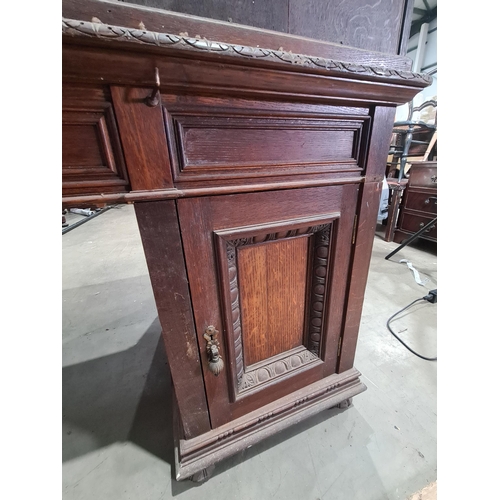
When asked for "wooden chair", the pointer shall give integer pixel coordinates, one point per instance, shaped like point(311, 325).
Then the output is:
point(414, 137)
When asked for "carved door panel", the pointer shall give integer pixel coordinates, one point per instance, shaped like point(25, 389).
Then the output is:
point(268, 271)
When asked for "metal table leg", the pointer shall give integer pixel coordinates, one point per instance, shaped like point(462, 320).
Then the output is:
point(412, 238)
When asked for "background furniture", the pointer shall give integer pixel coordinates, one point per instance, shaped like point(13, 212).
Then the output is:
point(419, 205)
point(256, 176)
point(414, 139)
point(396, 190)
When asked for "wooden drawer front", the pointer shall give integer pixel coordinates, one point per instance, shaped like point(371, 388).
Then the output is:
point(414, 223)
point(216, 143)
point(424, 175)
point(92, 160)
point(424, 202)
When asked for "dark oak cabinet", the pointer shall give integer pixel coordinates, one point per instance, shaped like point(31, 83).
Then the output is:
point(256, 175)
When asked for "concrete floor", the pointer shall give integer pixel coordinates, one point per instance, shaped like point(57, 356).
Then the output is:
point(117, 429)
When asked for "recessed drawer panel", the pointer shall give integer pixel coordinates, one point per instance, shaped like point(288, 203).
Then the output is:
point(414, 223)
point(227, 143)
point(210, 142)
point(424, 202)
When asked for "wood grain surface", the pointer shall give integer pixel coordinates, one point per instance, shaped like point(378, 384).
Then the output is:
point(160, 236)
point(143, 138)
point(272, 280)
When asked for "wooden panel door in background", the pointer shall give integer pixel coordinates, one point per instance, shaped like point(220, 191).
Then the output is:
point(269, 271)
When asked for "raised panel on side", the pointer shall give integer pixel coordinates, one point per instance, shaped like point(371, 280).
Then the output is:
point(92, 158)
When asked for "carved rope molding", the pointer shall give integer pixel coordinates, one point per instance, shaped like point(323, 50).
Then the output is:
point(75, 28)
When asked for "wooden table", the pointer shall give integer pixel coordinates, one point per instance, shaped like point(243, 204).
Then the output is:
point(256, 175)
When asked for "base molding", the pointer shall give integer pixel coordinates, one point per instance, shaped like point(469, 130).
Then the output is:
point(204, 451)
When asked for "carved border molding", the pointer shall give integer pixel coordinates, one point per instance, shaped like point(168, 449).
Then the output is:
point(277, 369)
point(72, 27)
point(318, 288)
point(321, 249)
point(235, 309)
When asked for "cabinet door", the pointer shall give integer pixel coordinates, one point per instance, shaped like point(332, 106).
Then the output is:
point(269, 271)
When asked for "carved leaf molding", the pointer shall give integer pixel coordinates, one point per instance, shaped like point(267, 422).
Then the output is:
point(75, 28)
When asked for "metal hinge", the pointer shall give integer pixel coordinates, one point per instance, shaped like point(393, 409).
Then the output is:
point(354, 228)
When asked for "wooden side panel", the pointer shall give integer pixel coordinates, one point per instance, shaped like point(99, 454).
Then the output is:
point(143, 137)
point(160, 235)
point(367, 221)
point(383, 119)
point(273, 291)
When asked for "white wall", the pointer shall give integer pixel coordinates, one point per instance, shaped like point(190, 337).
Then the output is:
point(430, 65)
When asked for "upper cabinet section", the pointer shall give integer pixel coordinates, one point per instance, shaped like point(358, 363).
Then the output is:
point(380, 26)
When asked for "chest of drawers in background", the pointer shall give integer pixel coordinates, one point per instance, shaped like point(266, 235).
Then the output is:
point(419, 205)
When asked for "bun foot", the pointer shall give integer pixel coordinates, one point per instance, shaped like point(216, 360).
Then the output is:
point(203, 475)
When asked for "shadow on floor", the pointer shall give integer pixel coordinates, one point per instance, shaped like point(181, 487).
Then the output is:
point(126, 396)
point(120, 397)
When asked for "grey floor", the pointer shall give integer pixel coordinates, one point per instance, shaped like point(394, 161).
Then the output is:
point(117, 437)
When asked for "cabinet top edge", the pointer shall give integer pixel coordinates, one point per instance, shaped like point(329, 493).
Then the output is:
point(121, 36)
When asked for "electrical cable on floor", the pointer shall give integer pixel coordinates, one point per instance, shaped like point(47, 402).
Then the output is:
point(430, 297)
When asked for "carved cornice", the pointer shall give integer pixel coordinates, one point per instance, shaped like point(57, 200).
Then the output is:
point(76, 28)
